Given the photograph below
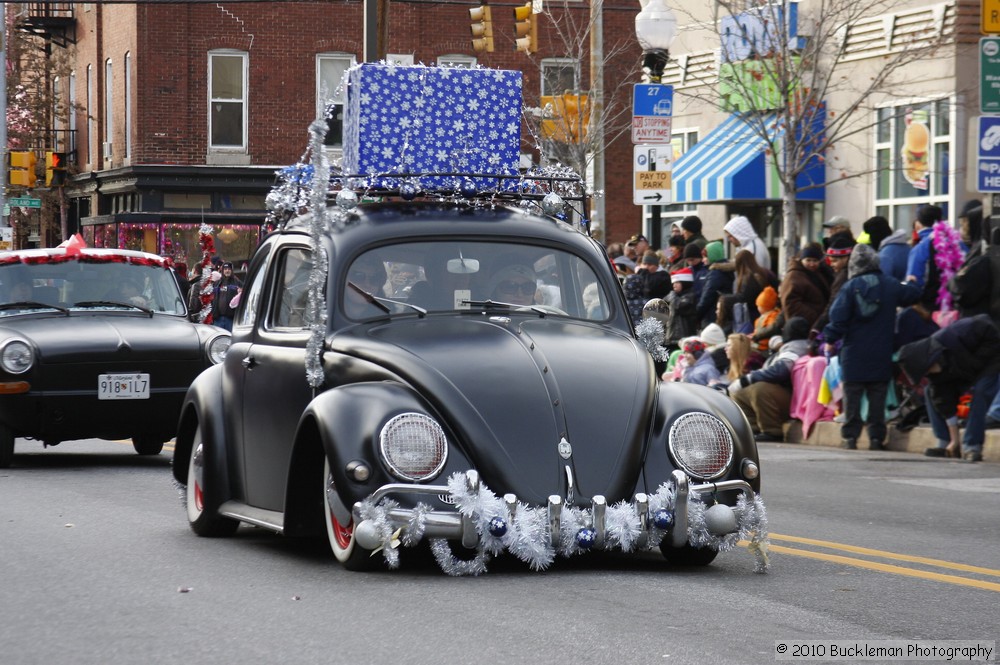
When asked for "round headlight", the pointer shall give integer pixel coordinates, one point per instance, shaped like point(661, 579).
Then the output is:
point(17, 357)
point(702, 445)
point(217, 348)
point(414, 446)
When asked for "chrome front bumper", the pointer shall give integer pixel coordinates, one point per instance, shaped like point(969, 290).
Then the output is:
point(455, 526)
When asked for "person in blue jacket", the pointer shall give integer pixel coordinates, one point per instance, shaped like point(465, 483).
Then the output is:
point(863, 317)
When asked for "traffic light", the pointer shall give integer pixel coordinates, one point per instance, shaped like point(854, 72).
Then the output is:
point(482, 28)
point(22, 168)
point(525, 29)
point(55, 169)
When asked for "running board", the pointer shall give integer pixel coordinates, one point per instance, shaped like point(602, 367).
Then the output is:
point(267, 519)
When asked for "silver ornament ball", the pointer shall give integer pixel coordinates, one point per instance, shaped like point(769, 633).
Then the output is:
point(366, 535)
point(720, 519)
point(347, 199)
point(553, 204)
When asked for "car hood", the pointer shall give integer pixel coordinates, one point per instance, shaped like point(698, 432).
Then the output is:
point(79, 338)
point(513, 389)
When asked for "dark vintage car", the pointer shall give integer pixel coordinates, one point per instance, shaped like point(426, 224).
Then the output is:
point(95, 343)
point(460, 374)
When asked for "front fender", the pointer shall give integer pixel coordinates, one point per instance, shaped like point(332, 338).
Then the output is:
point(348, 420)
point(203, 406)
point(676, 399)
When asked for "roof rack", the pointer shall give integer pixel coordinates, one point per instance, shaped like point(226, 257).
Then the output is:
point(556, 191)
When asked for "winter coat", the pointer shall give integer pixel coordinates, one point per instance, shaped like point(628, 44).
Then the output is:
point(225, 290)
point(643, 286)
point(750, 289)
point(922, 265)
point(893, 254)
point(717, 283)
point(966, 351)
point(778, 368)
point(839, 279)
point(700, 272)
point(682, 319)
point(976, 287)
point(703, 372)
point(863, 315)
point(803, 293)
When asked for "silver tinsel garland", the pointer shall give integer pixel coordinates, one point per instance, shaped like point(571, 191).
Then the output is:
point(527, 535)
point(650, 333)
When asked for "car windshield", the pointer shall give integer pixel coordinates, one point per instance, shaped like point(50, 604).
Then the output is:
point(457, 275)
point(88, 285)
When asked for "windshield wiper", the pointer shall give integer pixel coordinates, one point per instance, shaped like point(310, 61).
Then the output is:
point(499, 304)
point(113, 303)
point(31, 304)
point(378, 301)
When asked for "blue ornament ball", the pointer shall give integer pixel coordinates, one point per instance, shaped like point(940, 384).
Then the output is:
point(663, 519)
point(408, 191)
point(585, 537)
point(497, 527)
point(468, 188)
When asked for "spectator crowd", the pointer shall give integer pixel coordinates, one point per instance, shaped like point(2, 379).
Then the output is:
point(891, 323)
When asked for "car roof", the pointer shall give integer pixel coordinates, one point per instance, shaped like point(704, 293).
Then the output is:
point(21, 255)
point(374, 222)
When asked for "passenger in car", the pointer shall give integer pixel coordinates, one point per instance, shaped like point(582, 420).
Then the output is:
point(19, 291)
point(514, 284)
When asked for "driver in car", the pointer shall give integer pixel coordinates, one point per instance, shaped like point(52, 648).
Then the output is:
point(368, 274)
point(20, 291)
point(514, 284)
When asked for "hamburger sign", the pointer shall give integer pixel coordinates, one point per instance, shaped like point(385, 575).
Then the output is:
point(916, 143)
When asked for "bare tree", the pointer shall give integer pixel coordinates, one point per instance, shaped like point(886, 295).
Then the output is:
point(573, 128)
point(783, 80)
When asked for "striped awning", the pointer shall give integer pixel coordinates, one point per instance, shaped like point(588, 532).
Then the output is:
point(732, 164)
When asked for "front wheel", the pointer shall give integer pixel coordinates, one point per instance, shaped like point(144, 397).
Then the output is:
point(687, 555)
point(6, 447)
point(200, 502)
point(341, 536)
point(146, 444)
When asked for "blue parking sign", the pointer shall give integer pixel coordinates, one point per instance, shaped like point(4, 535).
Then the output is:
point(653, 99)
point(988, 153)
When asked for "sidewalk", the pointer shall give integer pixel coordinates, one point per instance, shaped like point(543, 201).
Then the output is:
point(827, 433)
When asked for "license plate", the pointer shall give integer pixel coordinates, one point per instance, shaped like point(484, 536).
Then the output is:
point(123, 386)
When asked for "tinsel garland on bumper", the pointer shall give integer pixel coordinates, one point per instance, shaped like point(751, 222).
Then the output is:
point(527, 535)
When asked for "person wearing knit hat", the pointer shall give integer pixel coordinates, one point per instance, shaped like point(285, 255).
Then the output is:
point(837, 227)
point(691, 230)
point(700, 366)
point(713, 335)
point(878, 229)
point(716, 283)
point(646, 283)
point(741, 234)
point(699, 271)
point(767, 324)
point(805, 288)
point(837, 255)
point(863, 320)
point(683, 318)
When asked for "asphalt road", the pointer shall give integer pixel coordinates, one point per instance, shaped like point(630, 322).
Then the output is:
point(97, 565)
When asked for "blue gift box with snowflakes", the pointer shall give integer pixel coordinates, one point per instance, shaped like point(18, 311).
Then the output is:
point(417, 119)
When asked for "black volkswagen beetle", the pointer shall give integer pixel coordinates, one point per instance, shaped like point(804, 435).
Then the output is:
point(95, 343)
point(465, 375)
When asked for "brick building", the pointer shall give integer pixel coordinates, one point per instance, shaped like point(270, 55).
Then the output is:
point(183, 112)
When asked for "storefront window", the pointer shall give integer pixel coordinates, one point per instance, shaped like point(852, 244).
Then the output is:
point(912, 159)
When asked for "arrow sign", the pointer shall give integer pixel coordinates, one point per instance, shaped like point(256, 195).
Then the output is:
point(653, 198)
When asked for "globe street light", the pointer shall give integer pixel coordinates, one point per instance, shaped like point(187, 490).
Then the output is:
point(655, 28)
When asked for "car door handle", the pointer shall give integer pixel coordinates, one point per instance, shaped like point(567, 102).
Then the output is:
point(249, 362)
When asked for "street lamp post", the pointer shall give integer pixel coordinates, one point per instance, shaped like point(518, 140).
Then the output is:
point(655, 28)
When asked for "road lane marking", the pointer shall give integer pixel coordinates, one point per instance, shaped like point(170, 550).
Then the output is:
point(887, 568)
point(888, 555)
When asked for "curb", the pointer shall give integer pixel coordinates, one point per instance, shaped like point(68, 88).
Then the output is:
point(827, 433)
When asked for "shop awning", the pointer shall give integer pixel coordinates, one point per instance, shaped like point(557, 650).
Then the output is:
point(732, 164)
